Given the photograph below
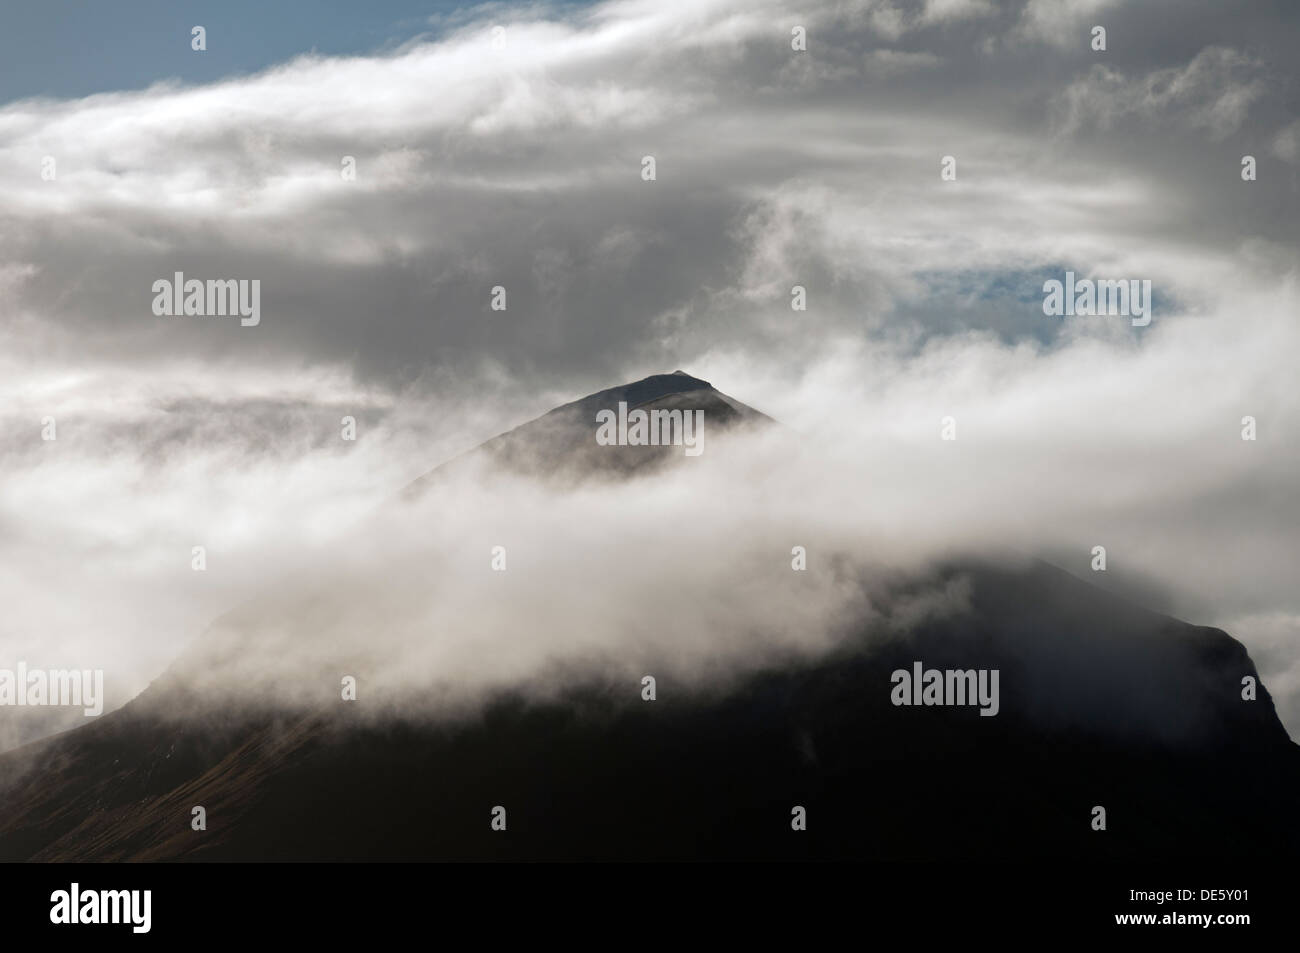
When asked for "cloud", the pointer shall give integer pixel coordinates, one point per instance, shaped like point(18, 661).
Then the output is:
point(1061, 23)
point(520, 166)
point(1213, 93)
point(1286, 145)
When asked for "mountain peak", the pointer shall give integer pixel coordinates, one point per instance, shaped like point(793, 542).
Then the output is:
point(562, 441)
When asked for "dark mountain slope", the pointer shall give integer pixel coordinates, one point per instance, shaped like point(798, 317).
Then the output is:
point(1187, 769)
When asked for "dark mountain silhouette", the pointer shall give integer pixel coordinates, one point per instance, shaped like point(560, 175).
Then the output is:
point(1102, 703)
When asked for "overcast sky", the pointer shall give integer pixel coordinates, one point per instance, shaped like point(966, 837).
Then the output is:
point(513, 157)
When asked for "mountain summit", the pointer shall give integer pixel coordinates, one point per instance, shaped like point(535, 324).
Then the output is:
point(561, 444)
